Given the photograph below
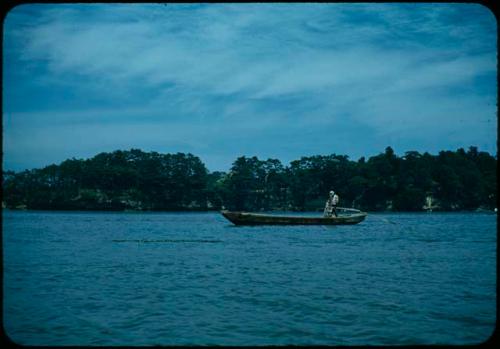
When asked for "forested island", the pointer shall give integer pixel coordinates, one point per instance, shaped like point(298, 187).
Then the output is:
point(150, 181)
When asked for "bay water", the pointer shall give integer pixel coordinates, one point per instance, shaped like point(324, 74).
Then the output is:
point(88, 278)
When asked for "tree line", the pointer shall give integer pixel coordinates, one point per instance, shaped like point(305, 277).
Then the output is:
point(138, 180)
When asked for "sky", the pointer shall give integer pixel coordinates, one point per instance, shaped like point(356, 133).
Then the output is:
point(226, 80)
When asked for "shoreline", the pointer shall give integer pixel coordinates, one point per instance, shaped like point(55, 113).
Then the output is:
point(218, 211)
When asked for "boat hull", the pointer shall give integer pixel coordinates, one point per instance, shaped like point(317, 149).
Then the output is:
point(247, 218)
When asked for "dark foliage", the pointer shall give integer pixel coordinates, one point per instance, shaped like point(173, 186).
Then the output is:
point(139, 180)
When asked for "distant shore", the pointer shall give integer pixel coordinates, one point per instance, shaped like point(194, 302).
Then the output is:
point(149, 181)
point(478, 210)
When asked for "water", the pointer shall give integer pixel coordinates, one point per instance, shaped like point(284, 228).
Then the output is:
point(193, 278)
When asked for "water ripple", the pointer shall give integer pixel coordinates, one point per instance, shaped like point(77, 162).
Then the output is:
point(192, 279)
point(165, 240)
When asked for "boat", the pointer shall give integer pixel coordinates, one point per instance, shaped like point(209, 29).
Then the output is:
point(346, 216)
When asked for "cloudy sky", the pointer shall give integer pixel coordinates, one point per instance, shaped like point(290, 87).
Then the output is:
point(271, 80)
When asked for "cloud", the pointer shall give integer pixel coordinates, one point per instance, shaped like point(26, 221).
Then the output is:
point(195, 76)
point(219, 47)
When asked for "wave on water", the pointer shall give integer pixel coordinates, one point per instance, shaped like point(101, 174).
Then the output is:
point(165, 240)
point(177, 279)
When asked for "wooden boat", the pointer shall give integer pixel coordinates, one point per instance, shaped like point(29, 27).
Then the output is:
point(353, 216)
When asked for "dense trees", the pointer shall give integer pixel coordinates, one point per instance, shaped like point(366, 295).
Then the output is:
point(253, 184)
point(460, 180)
point(112, 181)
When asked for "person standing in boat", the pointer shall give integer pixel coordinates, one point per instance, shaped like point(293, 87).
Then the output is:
point(331, 205)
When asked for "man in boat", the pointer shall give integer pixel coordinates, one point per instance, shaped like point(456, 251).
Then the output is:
point(331, 205)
